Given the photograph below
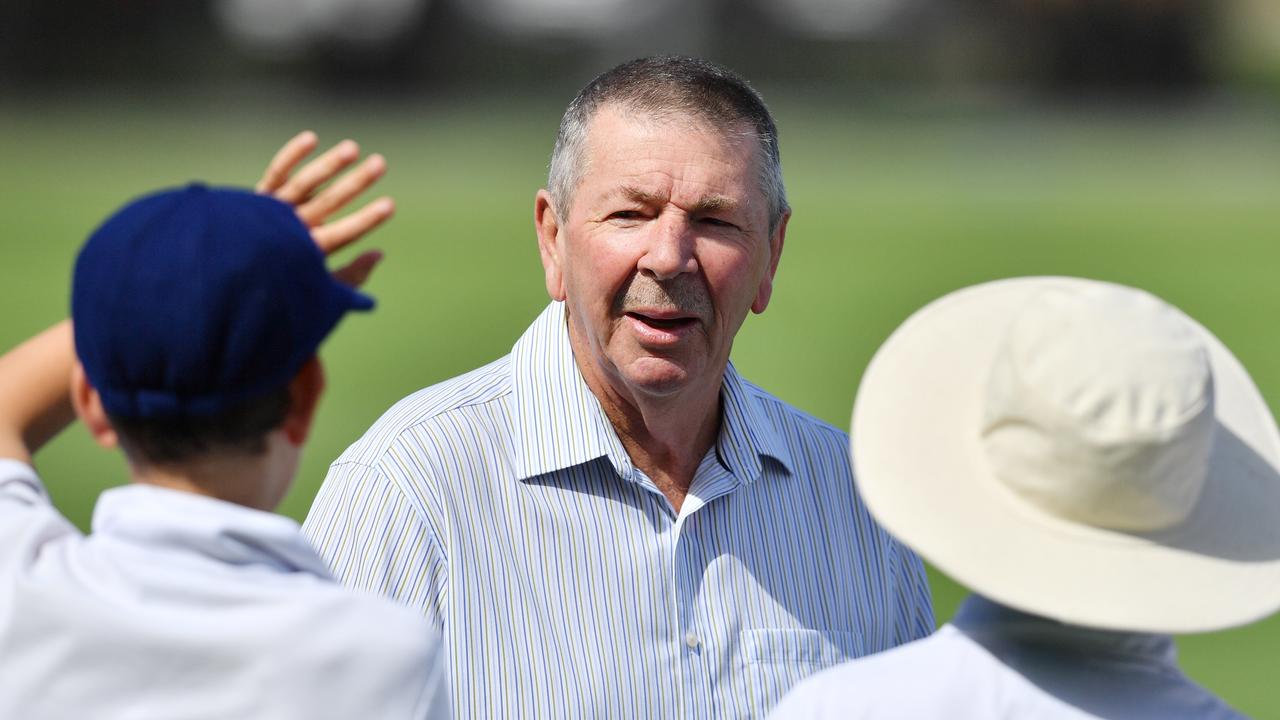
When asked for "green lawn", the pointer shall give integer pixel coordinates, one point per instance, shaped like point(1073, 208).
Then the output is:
point(892, 208)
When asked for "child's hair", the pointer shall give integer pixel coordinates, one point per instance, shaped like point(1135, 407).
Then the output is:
point(241, 429)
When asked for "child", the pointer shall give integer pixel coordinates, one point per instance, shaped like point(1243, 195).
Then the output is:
point(1098, 468)
point(197, 313)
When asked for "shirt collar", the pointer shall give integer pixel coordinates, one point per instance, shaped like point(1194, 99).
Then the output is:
point(559, 422)
point(163, 518)
point(987, 621)
point(747, 434)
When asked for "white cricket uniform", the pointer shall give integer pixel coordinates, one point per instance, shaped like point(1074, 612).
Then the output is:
point(180, 606)
point(995, 663)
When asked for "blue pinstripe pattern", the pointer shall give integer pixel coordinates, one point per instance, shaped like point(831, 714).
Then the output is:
point(502, 505)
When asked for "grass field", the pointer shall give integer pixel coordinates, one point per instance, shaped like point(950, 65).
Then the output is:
point(893, 207)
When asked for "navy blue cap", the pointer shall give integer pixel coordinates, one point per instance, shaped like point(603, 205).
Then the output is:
point(190, 300)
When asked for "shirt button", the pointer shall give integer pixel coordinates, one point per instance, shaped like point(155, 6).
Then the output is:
point(691, 641)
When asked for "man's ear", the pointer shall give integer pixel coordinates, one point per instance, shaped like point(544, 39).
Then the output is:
point(88, 406)
point(547, 221)
point(775, 256)
point(304, 397)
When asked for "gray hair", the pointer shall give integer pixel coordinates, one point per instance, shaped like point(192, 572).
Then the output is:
point(669, 87)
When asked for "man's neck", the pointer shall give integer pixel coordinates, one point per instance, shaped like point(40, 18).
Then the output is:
point(666, 438)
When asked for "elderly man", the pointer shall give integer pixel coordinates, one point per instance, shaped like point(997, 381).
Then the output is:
point(610, 521)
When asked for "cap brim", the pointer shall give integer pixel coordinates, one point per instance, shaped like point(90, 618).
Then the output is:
point(922, 471)
point(354, 299)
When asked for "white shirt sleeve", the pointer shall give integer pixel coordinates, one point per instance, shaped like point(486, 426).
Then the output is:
point(19, 485)
point(28, 519)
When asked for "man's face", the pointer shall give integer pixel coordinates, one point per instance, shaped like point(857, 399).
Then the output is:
point(665, 249)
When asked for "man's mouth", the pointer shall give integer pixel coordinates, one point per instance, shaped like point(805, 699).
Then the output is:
point(662, 327)
point(664, 321)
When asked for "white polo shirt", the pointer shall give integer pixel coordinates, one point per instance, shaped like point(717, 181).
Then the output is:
point(995, 662)
point(180, 606)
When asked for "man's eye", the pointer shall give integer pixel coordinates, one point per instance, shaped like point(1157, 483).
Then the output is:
point(717, 222)
point(625, 215)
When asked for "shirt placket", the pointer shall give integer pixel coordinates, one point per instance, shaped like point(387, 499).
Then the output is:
point(675, 589)
point(702, 636)
point(690, 640)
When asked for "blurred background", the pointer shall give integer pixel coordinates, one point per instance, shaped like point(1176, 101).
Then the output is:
point(928, 145)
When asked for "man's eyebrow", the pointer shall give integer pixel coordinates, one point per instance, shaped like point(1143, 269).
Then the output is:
point(637, 194)
point(714, 203)
point(708, 204)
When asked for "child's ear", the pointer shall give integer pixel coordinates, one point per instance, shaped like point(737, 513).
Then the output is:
point(304, 397)
point(88, 405)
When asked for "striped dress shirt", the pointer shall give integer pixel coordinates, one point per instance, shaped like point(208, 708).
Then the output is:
point(502, 505)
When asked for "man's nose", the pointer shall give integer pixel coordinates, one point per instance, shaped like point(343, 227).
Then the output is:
point(670, 249)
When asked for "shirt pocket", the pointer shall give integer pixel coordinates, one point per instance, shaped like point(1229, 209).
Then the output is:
point(775, 659)
point(794, 646)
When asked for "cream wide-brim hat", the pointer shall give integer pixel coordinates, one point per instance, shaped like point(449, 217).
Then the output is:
point(1078, 450)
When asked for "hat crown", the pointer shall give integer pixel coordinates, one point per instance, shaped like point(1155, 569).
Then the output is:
point(190, 300)
point(1100, 409)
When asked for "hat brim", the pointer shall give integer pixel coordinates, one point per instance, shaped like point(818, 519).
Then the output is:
point(920, 466)
point(354, 300)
